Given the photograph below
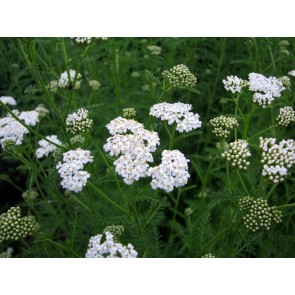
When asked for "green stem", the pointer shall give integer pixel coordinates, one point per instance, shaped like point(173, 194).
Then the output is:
point(271, 191)
point(101, 154)
point(36, 71)
point(246, 124)
point(115, 65)
point(136, 219)
point(285, 206)
point(260, 132)
point(172, 137)
point(167, 129)
point(177, 203)
point(242, 182)
point(108, 199)
point(80, 202)
point(258, 188)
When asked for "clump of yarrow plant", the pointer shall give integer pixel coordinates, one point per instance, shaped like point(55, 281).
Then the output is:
point(277, 158)
point(179, 113)
point(78, 122)
point(179, 76)
point(258, 214)
point(70, 170)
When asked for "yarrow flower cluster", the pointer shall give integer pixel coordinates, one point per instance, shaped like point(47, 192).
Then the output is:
point(8, 100)
point(129, 113)
point(234, 84)
point(177, 113)
point(79, 122)
point(209, 255)
point(135, 148)
point(292, 73)
point(180, 76)
point(67, 81)
point(237, 154)
point(94, 84)
point(105, 246)
point(258, 213)
point(277, 158)
point(115, 230)
point(42, 111)
point(222, 126)
point(286, 116)
point(74, 178)
point(154, 50)
point(12, 130)
point(47, 147)
point(266, 89)
point(13, 226)
point(82, 40)
point(285, 80)
point(171, 173)
point(53, 86)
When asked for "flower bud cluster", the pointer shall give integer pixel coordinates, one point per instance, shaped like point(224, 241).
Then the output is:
point(286, 116)
point(154, 50)
point(94, 84)
point(285, 80)
point(5, 255)
point(105, 246)
point(180, 76)
point(209, 255)
point(258, 213)
point(115, 230)
point(129, 113)
point(14, 227)
point(237, 154)
point(74, 179)
point(277, 158)
point(171, 173)
point(82, 40)
point(42, 111)
point(222, 126)
point(266, 89)
point(234, 84)
point(79, 122)
point(53, 86)
point(177, 113)
point(30, 195)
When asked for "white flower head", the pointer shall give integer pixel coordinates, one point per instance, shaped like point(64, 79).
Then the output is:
point(266, 89)
point(105, 246)
point(66, 80)
point(73, 178)
point(286, 116)
point(46, 147)
point(171, 173)
point(8, 100)
point(79, 122)
point(177, 113)
point(234, 84)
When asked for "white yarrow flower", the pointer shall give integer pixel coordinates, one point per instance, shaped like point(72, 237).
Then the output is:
point(8, 100)
point(47, 147)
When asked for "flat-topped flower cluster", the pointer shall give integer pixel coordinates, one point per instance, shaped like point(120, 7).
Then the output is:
point(74, 178)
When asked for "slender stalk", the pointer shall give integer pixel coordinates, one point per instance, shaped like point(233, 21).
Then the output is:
point(101, 154)
point(271, 191)
point(107, 198)
point(172, 137)
point(177, 203)
point(136, 219)
point(286, 206)
point(242, 182)
point(262, 131)
point(80, 202)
